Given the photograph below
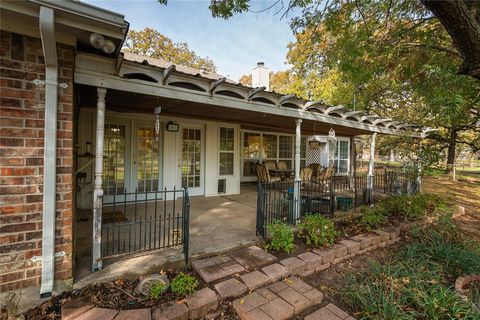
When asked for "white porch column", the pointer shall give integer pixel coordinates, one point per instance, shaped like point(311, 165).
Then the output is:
point(97, 190)
point(371, 166)
point(296, 186)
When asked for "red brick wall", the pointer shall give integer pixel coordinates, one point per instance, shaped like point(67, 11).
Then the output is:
point(21, 161)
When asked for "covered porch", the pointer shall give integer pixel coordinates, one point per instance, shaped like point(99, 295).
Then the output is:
point(217, 224)
point(145, 128)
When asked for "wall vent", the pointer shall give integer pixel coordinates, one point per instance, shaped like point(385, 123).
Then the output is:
point(222, 185)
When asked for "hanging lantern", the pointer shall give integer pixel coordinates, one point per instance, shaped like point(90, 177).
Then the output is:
point(331, 135)
point(314, 143)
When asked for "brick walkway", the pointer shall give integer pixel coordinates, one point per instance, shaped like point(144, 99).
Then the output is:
point(263, 289)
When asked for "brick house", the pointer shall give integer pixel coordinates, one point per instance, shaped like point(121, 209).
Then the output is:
point(80, 125)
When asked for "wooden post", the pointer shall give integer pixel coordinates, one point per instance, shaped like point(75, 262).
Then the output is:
point(98, 190)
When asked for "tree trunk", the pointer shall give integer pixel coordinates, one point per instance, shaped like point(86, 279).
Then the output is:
point(450, 170)
point(461, 19)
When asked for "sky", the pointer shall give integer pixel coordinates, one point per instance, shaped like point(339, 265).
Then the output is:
point(235, 45)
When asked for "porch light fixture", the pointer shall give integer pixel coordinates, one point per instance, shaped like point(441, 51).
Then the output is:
point(172, 126)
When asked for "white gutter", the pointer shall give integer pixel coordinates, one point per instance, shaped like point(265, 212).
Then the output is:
point(47, 33)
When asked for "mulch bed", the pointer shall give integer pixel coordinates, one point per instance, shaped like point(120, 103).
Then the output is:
point(119, 294)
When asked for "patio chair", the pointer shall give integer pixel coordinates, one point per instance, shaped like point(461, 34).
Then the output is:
point(282, 165)
point(271, 165)
point(306, 174)
point(263, 175)
point(315, 167)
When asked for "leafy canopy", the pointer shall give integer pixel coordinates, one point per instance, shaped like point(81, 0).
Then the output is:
point(150, 42)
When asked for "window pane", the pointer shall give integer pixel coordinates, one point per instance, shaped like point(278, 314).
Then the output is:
point(114, 159)
point(226, 163)
point(342, 165)
point(270, 146)
point(226, 139)
point(285, 147)
point(303, 148)
point(251, 145)
point(343, 149)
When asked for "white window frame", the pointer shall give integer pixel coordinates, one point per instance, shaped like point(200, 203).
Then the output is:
point(262, 158)
point(221, 151)
point(336, 159)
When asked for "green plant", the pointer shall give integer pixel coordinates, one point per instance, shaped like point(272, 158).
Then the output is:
point(184, 284)
point(372, 218)
point(417, 282)
point(156, 290)
point(317, 230)
point(282, 237)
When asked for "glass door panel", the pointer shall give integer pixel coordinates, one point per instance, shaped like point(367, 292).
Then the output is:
point(251, 153)
point(148, 160)
point(114, 159)
point(191, 159)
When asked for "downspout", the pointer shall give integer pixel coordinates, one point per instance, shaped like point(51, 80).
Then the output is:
point(47, 33)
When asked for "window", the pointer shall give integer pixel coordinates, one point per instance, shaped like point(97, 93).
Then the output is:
point(341, 156)
point(227, 148)
point(114, 159)
point(269, 147)
point(251, 153)
point(285, 150)
point(274, 147)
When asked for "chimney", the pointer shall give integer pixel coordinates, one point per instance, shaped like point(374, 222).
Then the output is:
point(261, 76)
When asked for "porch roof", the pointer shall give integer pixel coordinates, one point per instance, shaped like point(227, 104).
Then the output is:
point(141, 86)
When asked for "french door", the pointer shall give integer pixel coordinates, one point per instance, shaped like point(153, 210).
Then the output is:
point(191, 159)
point(146, 159)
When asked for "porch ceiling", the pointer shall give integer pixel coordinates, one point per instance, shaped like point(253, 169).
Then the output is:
point(128, 102)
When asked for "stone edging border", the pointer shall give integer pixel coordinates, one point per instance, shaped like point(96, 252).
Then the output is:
point(304, 264)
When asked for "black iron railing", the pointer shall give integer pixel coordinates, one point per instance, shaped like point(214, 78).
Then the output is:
point(145, 221)
point(276, 200)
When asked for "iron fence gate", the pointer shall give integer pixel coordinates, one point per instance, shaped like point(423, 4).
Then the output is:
point(276, 201)
point(145, 221)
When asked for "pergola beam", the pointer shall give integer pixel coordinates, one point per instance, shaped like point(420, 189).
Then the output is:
point(167, 73)
point(215, 84)
point(252, 93)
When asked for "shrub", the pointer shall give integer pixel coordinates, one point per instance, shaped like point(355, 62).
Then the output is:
point(317, 230)
point(413, 207)
point(372, 218)
point(156, 290)
point(281, 237)
point(184, 284)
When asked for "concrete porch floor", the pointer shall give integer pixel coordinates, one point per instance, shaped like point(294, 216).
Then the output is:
point(217, 224)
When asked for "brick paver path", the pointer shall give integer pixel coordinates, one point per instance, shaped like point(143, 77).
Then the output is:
point(222, 266)
point(280, 300)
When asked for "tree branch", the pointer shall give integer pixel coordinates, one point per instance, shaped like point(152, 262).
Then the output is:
point(457, 16)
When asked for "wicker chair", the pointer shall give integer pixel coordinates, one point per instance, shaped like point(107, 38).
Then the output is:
point(281, 165)
point(306, 174)
point(263, 175)
point(315, 167)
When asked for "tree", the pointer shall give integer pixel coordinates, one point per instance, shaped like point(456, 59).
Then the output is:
point(461, 18)
point(152, 43)
point(395, 59)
